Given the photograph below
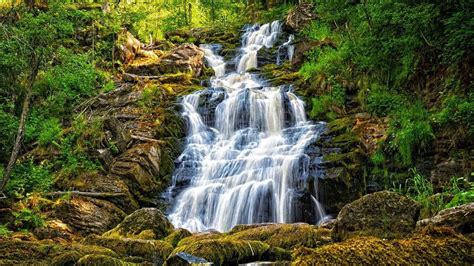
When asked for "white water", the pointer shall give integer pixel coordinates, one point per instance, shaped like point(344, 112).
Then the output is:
point(244, 160)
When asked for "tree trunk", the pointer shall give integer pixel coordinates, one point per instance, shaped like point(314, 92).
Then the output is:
point(21, 127)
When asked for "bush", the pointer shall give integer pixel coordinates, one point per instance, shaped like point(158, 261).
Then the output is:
point(28, 177)
point(381, 102)
point(323, 106)
point(4, 231)
point(457, 110)
point(411, 132)
point(27, 219)
point(51, 129)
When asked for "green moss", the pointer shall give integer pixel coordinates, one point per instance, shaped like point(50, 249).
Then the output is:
point(199, 237)
point(286, 236)
point(102, 260)
point(341, 125)
point(420, 249)
point(225, 251)
point(148, 249)
point(176, 236)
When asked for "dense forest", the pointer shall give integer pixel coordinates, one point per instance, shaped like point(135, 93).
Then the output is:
point(94, 139)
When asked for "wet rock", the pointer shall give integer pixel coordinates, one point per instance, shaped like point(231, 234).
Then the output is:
point(300, 16)
point(460, 218)
point(150, 250)
point(383, 214)
point(86, 215)
point(420, 249)
point(146, 223)
point(183, 258)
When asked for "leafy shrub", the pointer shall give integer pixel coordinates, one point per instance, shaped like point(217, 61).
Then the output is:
point(457, 110)
point(322, 106)
point(28, 219)
point(381, 102)
point(28, 177)
point(411, 132)
point(51, 129)
point(4, 231)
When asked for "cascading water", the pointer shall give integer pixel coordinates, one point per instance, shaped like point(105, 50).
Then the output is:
point(244, 161)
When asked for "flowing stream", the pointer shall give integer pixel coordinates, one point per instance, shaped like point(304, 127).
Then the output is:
point(244, 160)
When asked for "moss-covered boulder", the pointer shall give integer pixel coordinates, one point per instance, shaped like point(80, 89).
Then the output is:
point(286, 236)
point(92, 260)
point(146, 223)
point(225, 251)
point(175, 237)
point(150, 250)
point(460, 218)
point(383, 214)
point(441, 248)
point(46, 252)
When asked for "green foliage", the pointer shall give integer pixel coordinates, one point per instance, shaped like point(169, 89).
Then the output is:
point(9, 126)
point(457, 110)
point(411, 132)
point(323, 106)
point(50, 131)
point(461, 198)
point(4, 231)
point(381, 102)
point(28, 219)
point(28, 177)
point(459, 35)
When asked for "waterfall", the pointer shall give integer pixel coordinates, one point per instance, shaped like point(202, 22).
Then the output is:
point(244, 159)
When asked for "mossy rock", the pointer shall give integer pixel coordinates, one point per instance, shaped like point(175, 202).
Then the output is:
point(225, 251)
point(340, 126)
point(383, 214)
point(177, 236)
point(46, 252)
point(444, 249)
point(285, 236)
point(93, 260)
point(146, 223)
point(151, 250)
point(200, 237)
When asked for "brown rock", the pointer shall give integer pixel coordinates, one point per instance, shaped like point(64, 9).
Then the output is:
point(460, 218)
point(383, 214)
point(300, 16)
point(87, 215)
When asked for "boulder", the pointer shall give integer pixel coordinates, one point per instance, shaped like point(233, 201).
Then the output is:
point(183, 258)
point(446, 248)
point(383, 214)
point(150, 250)
point(92, 260)
point(223, 251)
point(184, 58)
point(285, 236)
point(460, 218)
point(146, 223)
point(139, 167)
point(86, 215)
point(300, 16)
point(176, 236)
